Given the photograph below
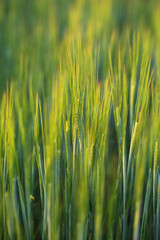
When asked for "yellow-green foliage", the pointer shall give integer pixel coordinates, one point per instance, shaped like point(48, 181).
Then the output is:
point(79, 119)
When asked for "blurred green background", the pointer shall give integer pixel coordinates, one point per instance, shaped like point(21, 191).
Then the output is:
point(33, 33)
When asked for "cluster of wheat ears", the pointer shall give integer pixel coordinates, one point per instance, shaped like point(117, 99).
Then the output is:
point(85, 164)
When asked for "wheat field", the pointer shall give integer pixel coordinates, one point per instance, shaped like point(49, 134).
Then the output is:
point(79, 119)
